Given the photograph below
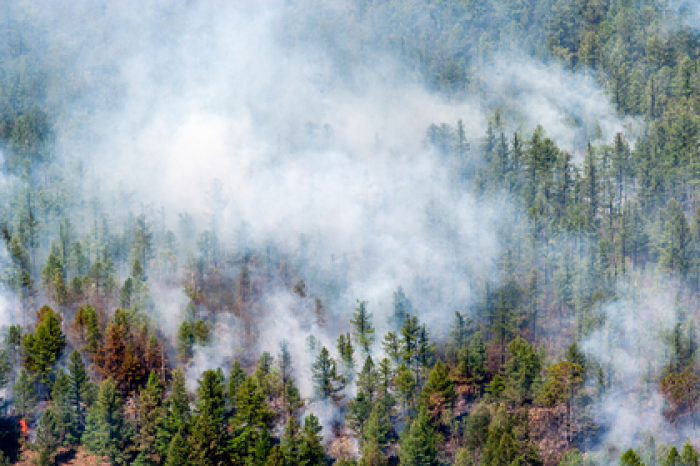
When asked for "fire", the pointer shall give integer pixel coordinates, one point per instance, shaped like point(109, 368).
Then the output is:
point(23, 425)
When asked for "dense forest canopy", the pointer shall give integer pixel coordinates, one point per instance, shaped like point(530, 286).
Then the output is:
point(347, 232)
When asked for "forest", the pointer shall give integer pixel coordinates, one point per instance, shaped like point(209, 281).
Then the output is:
point(350, 232)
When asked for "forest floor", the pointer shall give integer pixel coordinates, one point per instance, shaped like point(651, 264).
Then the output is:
point(78, 458)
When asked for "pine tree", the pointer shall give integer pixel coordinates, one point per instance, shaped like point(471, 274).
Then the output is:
point(425, 351)
point(290, 443)
point(378, 427)
point(208, 438)
point(392, 347)
point(363, 330)
point(409, 341)
point(185, 341)
point(385, 377)
point(150, 417)
point(676, 239)
point(85, 322)
point(177, 417)
point(347, 360)
point(439, 392)
point(276, 457)
point(419, 442)
point(107, 431)
point(689, 455)
point(358, 412)
point(264, 376)
point(461, 331)
point(25, 394)
point(311, 451)
point(293, 399)
point(236, 379)
point(179, 451)
point(402, 307)
point(522, 368)
point(630, 458)
point(252, 420)
point(367, 380)
point(327, 383)
point(51, 435)
point(64, 417)
point(672, 458)
point(80, 389)
point(42, 348)
point(406, 385)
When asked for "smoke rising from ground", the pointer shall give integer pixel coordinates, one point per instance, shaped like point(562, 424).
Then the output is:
point(311, 138)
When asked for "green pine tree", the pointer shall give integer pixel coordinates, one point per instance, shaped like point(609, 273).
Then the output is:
point(363, 330)
point(107, 431)
point(311, 451)
point(419, 442)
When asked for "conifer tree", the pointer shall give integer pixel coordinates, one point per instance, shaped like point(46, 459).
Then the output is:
point(406, 386)
point(25, 394)
point(311, 451)
point(363, 330)
point(689, 455)
point(358, 412)
point(50, 436)
point(179, 451)
point(107, 432)
point(630, 458)
point(85, 322)
point(409, 341)
point(327, 383)
point(276, 457)
point(378, 427)
point(439, 392)
point(392, 347)
point(80, 389)
point(42, 348)
point(293, 399)
point(368, 378)
point(208, 437)
point(419, 442)
point(522, 368)
point(402, 307)
point(385, 376)
point(64, 418)
point(151, 415)
point(177, 416)
point(290, 443)
point(236, 379)
point(672, 458)
point(346, 353)
point(252, 421)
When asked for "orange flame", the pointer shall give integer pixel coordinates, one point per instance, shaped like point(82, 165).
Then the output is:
point(23, 425)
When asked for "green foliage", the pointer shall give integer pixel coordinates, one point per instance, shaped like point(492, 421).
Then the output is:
point(42, 348)
point(363, 329)
point(311, 451)
point(252, 421)
point(176, 420)
point(327, 382)
point(25, 394)
point(419, 442)
point(208, 438)
point(439, 392)
point(107, 431)
point(150, 418)
point(522, 369)
point(51, 435)
point(179, 451)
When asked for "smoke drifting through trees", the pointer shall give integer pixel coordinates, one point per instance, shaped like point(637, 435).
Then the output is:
point(268, 165)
